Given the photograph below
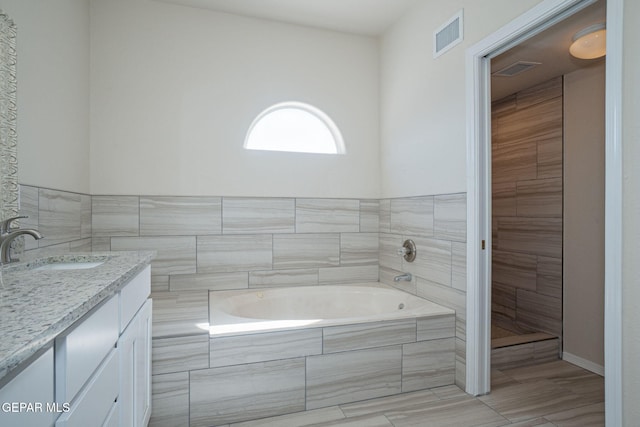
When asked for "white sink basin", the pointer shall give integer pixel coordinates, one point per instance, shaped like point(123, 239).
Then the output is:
point(81, 265)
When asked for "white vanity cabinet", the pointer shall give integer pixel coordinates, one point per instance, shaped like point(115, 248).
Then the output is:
point(103, 362)
point(134, 346)
point(32, 386)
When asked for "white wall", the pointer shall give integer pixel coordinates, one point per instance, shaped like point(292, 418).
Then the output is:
point(631, 215)
point(53, 92)
point(423, 133)
point(174, 90)
point(583, 251)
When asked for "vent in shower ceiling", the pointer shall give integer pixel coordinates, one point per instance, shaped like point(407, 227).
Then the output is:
point(515, 69)
point(448, 35)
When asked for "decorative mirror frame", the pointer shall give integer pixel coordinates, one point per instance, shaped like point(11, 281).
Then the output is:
point(8, 119)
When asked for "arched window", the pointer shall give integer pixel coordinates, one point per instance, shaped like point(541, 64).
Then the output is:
point(295, 127)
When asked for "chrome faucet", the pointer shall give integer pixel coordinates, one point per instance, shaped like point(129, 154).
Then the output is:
point(405, 277)
point(8, 235)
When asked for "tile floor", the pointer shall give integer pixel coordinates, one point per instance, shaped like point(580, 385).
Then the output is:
point(547, 395)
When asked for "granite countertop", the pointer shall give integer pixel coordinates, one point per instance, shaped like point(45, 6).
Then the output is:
point(36, 306)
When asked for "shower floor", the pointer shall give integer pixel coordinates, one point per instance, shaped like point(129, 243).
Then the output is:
point(511, 349)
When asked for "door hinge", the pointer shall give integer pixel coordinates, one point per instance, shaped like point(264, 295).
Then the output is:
point(483, 244)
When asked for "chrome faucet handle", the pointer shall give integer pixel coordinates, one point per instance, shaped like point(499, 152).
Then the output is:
point(6, 224)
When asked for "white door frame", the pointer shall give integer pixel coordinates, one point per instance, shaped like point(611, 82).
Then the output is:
point(540, 17)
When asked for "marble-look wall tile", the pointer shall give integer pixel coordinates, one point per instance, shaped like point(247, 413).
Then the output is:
point(244, 392)
point(179, 354)
point(258, 215)
point(85, 216)
point(450, 217)
point(369, 216)
point(436, 327)
point(368, 335)
point(542, 92)
point(543, 121)
point(549, 277)
point(175, 255)
point(296, 277)
point(170, 400)
point(352, 376)
point(459, 266)
point(306, 250)
point(503, 199)
point(412, 216)
point(82, 245)
point(160, 283)
point(385, 216)
point(211, 281)
point(219, 254)
point(29, 208)
point(388, 246)
point(114, 216)
point(240, 349)
point(101, 244)
point(327, 215)
point(550, 159)
point(461, 363)
point(180, 216)
point(180, 313)
point(60, 216)
point(387, 275)
point(540, 198)
point(444, 295)
point(428, 364)
point(433, 261)
point(503, 303)
point(539, 312)
point(513, 162)
point(514, 269)
point(358, 249)
point(539, 236)
point(341, 275)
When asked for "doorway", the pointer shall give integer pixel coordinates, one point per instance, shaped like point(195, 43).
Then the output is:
point(543, 16)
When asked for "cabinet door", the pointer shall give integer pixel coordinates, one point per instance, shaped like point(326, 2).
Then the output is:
point(34, 385)
point(135, 370)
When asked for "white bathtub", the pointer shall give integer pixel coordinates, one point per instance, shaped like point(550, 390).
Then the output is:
point(275, 309)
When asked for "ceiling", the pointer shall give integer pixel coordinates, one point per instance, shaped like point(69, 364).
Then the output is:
point(550, 48)
point(365, 17)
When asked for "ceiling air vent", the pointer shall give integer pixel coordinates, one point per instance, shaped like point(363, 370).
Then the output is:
point(515, 68)
point(448, 35)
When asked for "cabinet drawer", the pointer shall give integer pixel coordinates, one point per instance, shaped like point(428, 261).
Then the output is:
point(133, 295)
point(96, 401)
point(81, 351)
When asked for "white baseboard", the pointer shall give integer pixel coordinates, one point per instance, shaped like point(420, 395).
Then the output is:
point(583, 363)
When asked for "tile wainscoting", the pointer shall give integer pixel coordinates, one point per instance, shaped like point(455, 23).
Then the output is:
point(206, 244)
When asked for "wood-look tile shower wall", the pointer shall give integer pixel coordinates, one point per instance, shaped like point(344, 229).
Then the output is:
point(527, 161)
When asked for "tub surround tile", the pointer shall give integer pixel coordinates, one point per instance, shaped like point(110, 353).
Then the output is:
point(180, 313)
point(242, 349)
point(170, 400)
point(276, 278)
point(246, 392)
point(358, 249)
point(306, 250)
point(258, 215)
point(114, 216)
point(459, 266)
point(180, 216)
point(210, 281)
point(176, 255)
point(348, 377)
point(412, 216)
point(385, 216)
point(450, 217)
point(368, 335)
point(369, 216)
point(387, 275)
point(445, 296)
point(327, 215)
point(345, 275)
point(436, 327)
point(433, 261)
point(221, 254)
point(428, 364)
point(388, 246)
point(180, 354)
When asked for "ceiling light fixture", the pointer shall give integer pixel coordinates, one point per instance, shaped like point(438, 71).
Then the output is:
point(590, 43)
